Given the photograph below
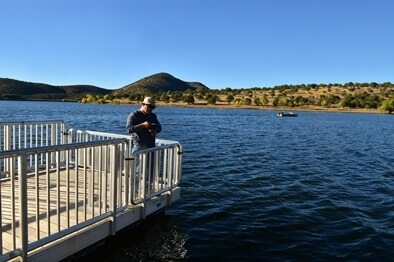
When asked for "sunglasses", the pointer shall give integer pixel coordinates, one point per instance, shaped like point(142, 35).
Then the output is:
point(150, 106)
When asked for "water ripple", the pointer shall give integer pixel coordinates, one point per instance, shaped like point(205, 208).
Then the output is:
point(258, 187)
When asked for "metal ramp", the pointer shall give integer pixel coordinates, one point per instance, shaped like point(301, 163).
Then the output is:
point(63, 190)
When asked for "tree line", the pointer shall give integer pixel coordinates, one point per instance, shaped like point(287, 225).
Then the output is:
point(349, 95)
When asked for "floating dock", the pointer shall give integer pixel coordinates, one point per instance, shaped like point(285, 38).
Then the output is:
point(63, 190)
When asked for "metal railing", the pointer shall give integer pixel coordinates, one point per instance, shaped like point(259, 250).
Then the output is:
point(31, 134)
point(80, 190)
point(158, 168)
point(74, 180)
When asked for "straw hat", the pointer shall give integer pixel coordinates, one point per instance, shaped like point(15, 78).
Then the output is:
point(149, 101)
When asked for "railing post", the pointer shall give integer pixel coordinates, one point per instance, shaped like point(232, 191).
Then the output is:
point(70, 136)
point(126, 172)
point(132, 177)
point(53, 142)
point(180, 156)
point(144, 188)
point(114, 186)
point(7, 146)
point(22, 177)
point(171, 159)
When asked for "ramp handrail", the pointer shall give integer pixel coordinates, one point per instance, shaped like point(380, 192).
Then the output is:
point(95, 195)
point(163, 162)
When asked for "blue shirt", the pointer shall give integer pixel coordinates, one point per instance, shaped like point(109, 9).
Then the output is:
point(142, 137)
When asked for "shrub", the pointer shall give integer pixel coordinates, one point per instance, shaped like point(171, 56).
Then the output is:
point(212, 100)
point(189, 99)
point(387, 105)
point(229, 98)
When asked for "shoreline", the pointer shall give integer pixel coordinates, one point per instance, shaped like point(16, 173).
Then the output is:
point(271, 108)
point(226, 106)
point(41, 100)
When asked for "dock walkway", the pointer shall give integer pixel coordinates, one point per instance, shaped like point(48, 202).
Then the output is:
point(60, 198)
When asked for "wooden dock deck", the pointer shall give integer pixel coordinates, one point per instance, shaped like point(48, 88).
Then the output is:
point(68, 206)
point(60, 212)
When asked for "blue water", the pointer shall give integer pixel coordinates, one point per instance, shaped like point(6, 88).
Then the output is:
point(256, 186)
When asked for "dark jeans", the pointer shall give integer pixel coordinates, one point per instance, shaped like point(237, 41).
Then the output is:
point(149, 167)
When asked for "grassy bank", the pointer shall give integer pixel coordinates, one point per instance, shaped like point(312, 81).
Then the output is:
point(332, 98)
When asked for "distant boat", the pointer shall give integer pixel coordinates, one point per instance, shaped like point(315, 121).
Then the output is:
point(290, 114)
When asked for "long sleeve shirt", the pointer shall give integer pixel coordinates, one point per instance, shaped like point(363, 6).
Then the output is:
point(142, 137)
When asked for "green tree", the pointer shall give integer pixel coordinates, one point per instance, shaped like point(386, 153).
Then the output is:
point(212, 100)
point(285, 101)
point(132, 97)
point(175, 97)
point(257, 101)
point(229, 98)
point(248, 101)
point(388, 105)
point(275, 102)
point(138, 97)
point(200, 97)
point(239, 102)
point(346, 101)
point(264, 100)
point(189, 99)
point(165, 98)
point(90, 98)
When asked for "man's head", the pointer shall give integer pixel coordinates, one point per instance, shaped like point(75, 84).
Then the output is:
point(148, 105)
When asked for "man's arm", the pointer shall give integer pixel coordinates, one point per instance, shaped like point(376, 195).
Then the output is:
point(157, 125)
point(133, 127)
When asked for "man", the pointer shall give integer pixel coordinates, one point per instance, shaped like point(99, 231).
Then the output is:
point(143, 125)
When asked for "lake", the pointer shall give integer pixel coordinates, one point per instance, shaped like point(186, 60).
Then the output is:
point(256, 186)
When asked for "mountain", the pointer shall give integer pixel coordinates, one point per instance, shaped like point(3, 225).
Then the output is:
point(15, 89)
point(161, 82)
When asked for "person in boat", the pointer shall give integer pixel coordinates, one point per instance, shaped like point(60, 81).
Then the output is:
point(143, 125)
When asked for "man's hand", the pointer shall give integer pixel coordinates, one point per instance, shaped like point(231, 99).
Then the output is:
point(153, 132)
point(145, 125)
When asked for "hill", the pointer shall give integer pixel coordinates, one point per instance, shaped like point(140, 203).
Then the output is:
point(16, 89)
point(161, 82)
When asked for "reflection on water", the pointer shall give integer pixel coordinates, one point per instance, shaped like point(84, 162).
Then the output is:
point(156, 239)
point(162, 240)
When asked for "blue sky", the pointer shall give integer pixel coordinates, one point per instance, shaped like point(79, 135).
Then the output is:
point(221, 43)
